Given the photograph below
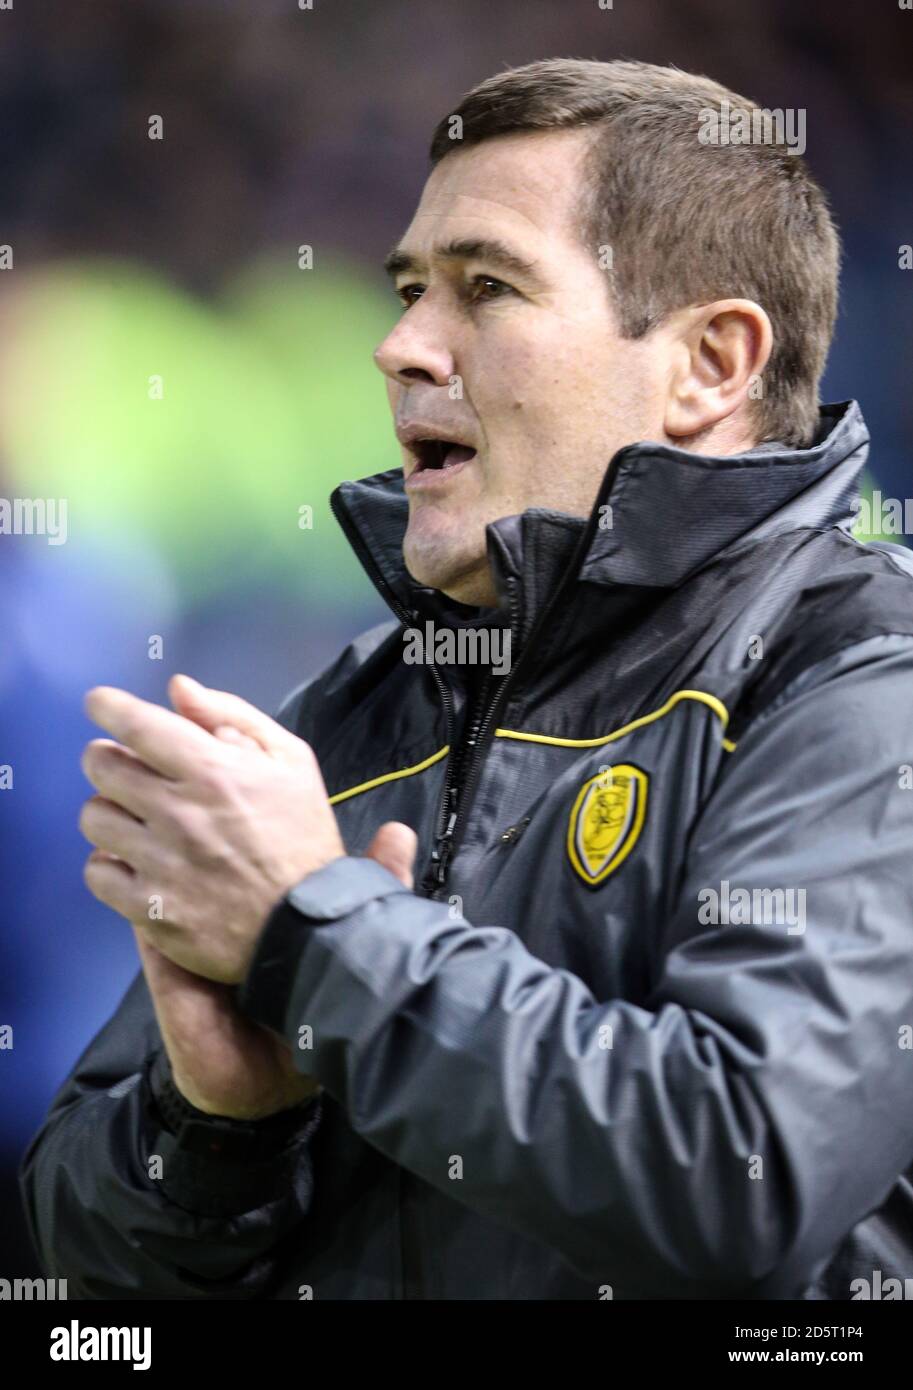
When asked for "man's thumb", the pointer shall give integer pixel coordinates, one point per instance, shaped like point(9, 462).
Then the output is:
point(394, 846)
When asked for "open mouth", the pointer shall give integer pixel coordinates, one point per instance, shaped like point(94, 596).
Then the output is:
point(439, 454)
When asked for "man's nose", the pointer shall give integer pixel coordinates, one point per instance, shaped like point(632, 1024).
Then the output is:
point(416, 350)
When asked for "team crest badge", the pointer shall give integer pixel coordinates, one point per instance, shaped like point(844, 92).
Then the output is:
point(606, 821)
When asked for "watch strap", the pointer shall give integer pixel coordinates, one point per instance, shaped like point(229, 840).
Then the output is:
point(216, 1167)
point(220, 1136)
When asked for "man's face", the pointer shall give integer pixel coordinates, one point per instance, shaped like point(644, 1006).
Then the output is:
point(507, 347)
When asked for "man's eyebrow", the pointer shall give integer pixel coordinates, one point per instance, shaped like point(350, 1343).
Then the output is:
point(494, 252)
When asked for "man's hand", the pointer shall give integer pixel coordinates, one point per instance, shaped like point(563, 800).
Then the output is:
point(201, 836)
point(220, 1061)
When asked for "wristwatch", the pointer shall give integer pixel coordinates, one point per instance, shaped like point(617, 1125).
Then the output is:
point(219, 1136)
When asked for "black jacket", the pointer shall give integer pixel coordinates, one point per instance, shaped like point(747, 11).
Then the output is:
point(643, 1029)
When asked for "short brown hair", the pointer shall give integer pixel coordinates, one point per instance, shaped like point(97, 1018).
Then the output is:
point(687, 222)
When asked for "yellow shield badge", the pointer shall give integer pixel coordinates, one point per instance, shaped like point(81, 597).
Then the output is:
point(606, 821)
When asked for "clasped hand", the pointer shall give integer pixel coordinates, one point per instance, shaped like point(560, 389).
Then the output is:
point(204, 819)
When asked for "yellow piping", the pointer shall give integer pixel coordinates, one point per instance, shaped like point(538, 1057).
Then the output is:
point(700, 696)
point(391, 776)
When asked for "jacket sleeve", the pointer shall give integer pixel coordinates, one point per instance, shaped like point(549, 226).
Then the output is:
point(102, 1219)
point(718, 1141)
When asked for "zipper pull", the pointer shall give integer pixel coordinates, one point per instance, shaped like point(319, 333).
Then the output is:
point(443, 863)
point(441, 855)
point(446, 851)
point(513, 832)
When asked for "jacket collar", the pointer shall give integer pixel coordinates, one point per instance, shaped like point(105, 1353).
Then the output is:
point(661, 514)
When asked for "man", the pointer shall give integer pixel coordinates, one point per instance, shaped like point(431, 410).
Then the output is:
point(640, 1024)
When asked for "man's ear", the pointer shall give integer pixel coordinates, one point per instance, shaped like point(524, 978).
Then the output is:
point(719, 355)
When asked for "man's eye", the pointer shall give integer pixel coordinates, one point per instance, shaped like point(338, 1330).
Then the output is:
point(487, 287)
point(410, 293)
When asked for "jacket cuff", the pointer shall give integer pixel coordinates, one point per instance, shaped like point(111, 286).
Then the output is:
point(327, 895)
point(215, 1166)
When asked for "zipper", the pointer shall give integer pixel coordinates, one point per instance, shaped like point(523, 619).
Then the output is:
point(435, 877)
point(463, 771)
